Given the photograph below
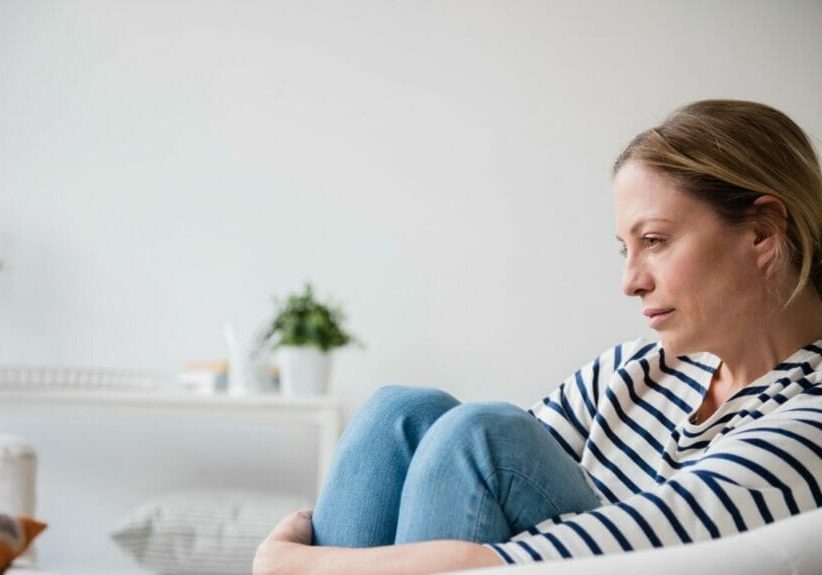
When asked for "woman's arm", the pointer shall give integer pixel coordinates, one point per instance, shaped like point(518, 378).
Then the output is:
point(286, 551)
point(765, 471)
point(284, 558)
point(570, 410)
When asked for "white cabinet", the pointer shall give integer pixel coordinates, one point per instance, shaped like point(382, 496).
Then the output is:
point(264, 409)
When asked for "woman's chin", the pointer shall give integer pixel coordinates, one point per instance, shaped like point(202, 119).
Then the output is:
point(677, 346)
point(671, 345)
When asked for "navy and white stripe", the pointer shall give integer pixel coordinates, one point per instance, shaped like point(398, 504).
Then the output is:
point(625, 417)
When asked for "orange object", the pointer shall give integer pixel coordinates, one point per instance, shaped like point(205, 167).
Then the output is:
point(16, 533)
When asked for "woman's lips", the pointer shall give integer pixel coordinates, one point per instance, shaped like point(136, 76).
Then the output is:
point(657, 316)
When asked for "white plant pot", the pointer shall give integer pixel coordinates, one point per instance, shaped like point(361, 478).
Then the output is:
point(304, 370)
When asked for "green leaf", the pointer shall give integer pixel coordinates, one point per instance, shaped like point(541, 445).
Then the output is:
point(304, 321)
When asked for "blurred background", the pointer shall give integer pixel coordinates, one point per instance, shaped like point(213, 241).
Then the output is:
point(439, 168)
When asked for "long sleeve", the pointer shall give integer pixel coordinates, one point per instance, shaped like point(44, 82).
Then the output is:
point(569, 412)
point(756, 474)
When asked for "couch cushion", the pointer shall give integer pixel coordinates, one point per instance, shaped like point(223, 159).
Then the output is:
point(206, 531)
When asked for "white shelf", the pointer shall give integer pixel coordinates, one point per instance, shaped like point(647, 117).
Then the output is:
point(265, 409)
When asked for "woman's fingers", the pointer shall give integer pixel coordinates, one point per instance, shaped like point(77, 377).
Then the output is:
point(296, 528)
point(272, 557)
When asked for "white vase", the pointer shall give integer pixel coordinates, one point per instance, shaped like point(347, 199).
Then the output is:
point(304, 370)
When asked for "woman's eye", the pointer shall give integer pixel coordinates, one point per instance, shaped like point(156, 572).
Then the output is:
point(649, 242)
point(652, 241)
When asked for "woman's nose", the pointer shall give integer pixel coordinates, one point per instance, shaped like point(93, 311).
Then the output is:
point(636, 280)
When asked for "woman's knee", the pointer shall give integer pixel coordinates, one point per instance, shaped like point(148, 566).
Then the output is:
point(486, 417)
point(407, 396)
point(409, 411)
point(399, 402)
point(481, 425)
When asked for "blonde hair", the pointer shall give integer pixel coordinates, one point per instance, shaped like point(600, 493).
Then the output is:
point(728, 153)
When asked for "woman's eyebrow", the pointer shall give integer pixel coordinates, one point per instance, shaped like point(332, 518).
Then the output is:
point(641, 222)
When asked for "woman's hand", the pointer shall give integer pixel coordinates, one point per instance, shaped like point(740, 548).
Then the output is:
point(279, 550)
point(296, 528)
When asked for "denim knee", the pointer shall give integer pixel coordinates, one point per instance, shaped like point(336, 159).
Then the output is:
point(463, 426)
point(486, 416)
point(402, 412)
point(495, 471)
point(394, 396)
point(397, 401)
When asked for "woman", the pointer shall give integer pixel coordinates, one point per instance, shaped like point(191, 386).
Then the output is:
point(713, 430)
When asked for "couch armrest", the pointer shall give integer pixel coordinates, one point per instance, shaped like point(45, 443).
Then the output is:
point(790, 546)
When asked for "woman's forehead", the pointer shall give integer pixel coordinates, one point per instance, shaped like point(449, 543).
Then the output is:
point(643, 196)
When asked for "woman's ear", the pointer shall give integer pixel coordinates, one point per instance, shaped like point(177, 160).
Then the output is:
point(770, 224)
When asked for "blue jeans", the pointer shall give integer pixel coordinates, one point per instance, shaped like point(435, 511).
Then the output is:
point(416, 465)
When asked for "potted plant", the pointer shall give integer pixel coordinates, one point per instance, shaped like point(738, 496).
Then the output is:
point(305, 333)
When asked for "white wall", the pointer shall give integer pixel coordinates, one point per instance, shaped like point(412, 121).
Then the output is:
point(440, 168)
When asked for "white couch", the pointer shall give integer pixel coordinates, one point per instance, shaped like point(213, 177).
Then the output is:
point(792, 546)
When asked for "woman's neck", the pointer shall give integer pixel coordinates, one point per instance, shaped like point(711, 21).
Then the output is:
point(770, 340)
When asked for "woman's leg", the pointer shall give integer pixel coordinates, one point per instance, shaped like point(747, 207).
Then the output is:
point(485, 472)
point(360, 501)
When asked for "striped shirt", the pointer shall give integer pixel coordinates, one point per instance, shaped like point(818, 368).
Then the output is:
point(663, 480)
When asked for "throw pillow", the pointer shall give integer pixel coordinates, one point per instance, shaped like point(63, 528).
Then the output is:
point(16, 533)
point(214, 531)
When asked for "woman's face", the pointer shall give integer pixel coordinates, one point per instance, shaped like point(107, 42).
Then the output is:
point(695, 275)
